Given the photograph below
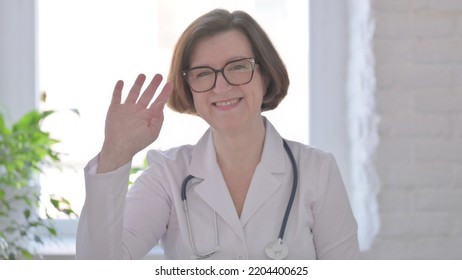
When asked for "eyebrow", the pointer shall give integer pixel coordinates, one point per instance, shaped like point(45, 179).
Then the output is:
point(226, 62)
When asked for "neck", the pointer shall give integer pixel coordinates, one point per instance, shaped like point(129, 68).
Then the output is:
point(241, 148)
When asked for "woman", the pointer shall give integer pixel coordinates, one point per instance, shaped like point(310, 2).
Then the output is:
point(242, 192)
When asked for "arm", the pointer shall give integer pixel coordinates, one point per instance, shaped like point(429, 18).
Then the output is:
point(115, 224)
point(99, 234)
point(130, 127)
point(335, 228)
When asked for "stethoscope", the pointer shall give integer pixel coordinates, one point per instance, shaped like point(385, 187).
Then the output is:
point(277, 249)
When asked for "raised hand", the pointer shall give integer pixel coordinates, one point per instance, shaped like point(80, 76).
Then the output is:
point(133, 125)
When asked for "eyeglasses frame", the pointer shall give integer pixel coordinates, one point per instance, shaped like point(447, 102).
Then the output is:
point(216, 71)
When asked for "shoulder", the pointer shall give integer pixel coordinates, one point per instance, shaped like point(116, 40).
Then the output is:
point(303, 153)
point(316, 166)
point(307, 154)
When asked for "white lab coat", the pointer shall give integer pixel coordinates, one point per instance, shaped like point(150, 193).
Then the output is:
point(116, 225)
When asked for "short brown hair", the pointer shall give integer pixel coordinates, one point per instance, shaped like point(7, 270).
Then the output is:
point(212, 23)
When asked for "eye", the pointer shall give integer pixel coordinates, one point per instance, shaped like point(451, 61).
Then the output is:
point(200, 73)
point(239, 66)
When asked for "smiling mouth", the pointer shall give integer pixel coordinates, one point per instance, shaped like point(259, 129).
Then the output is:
point(227, 102)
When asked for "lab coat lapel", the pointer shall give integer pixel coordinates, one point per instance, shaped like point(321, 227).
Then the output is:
point(212, 189)
point(264, 182)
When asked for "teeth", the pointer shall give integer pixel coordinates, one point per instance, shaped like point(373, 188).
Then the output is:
point(226, 103)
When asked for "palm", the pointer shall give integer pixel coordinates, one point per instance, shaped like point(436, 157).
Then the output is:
point(133, 125)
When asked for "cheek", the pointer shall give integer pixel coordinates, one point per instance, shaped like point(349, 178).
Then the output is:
point(261, 88)
point(199, 100)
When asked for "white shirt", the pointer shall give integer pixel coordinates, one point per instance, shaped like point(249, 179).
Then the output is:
point(115, 224)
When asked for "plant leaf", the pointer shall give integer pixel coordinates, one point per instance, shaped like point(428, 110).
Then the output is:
point(52, 231)
point(38, 239)
point(76, 111)
point(27, 214)
point(26, 253)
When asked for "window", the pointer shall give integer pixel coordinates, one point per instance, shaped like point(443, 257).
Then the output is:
point(85, 46)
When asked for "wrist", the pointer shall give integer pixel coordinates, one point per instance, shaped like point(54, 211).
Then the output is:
point(111, 158)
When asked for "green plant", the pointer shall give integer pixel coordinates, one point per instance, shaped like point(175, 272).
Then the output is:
point(24, 149)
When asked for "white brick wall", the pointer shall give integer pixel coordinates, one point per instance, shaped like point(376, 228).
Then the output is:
point(418, 56)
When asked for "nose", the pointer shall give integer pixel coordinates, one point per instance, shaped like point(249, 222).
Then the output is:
point(221, 85)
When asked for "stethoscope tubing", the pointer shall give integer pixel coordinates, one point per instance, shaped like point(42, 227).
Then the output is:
point(286, 214)
point(292, 193)
point(183, 186)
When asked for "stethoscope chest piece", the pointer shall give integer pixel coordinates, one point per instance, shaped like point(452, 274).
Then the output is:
point(277, 250)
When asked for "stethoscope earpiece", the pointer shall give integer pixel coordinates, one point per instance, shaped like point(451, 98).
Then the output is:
point(277, 250)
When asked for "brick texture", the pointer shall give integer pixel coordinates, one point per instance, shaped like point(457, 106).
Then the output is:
point(418, 54)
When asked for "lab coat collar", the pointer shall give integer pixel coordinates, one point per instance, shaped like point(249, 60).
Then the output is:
point(264, 182)
point(213, 188)
point(204, 158)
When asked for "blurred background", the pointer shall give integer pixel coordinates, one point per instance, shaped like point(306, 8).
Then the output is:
point(376, 82)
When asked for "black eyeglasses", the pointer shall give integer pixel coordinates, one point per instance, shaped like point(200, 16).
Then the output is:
point(236, 73)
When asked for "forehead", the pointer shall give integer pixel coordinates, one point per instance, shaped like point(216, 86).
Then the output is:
point(218, 49)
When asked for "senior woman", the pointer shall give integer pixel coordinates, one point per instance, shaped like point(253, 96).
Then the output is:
point(242, 192)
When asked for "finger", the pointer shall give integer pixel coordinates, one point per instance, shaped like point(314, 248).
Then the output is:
point(164, 95)
point(117, 94)
point(157, 106)
point(147, 95)
point(135, 90)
